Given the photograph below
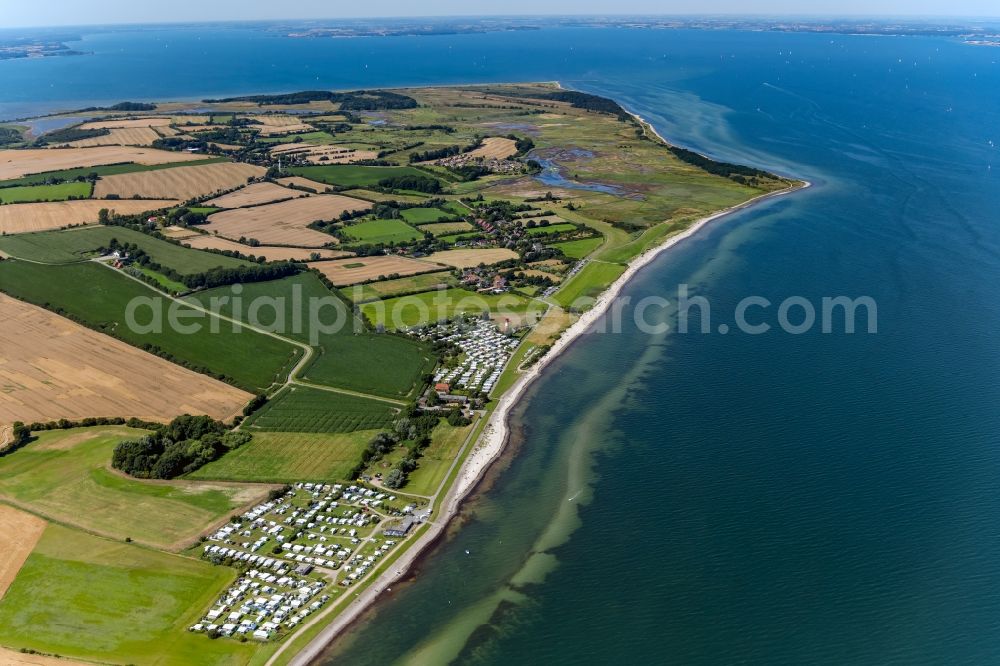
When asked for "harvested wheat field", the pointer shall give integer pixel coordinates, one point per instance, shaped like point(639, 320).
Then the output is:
point(300, 128)
point(126, 123)
point(343, 272)
point(276, 120)
point(276, 125)
point(534, 272)
point(495, 146)
point(298, 181)
point(21, 218)
point(19, 531)
point(269, 252)
point(131, 136)
point(166, 130)
point(18, 658)
point(473, 257)
point(181, 183)
point(324, 154)
point(284, 223)
point(191, 129)
point(18, 163)
point(254, 195)
point(177, 233)
point(348, 157)
point(53, 368)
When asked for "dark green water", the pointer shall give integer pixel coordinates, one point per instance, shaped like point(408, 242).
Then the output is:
point(776, 498)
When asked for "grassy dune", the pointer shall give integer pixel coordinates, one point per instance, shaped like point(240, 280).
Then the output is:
point(588, 283)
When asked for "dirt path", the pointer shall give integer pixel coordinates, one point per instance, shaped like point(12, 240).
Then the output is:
point(293, 374)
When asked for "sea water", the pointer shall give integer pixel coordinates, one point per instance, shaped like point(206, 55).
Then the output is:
point(710, 498)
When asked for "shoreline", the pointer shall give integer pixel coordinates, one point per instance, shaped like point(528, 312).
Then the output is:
point(494, 437)
point(492, 441)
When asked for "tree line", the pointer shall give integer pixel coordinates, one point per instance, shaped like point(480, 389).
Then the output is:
point(724, 169)
point(213, 277)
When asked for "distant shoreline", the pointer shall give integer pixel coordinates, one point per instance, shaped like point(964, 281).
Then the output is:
point(492, 441)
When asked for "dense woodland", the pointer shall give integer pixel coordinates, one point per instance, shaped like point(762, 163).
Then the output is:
point(180, 447)
point(360, 100)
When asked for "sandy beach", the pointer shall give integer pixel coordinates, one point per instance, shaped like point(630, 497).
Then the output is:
point(490, 445)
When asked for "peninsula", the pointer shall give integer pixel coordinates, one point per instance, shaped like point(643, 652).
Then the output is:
point(261, 347)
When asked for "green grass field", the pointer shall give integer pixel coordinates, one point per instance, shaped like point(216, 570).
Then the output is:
point(108, 170)
point(61, 247)
point(100, 296)
point(435, 460)
point(578, 249)
point(310, 410)
point(382, 231)
point(165, 283)
point(59, 192)
point(291, 457)
point(82, 596)
point(384, 365)
point(446, 228)
point(351, 175)
point(424, 215)
point(373, 291)
point(305, 137)
point(588, 283)
point(65, 475)
point(550, 229)
point(432, 306)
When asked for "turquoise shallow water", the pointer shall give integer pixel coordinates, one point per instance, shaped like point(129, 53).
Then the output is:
point(705, 499)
